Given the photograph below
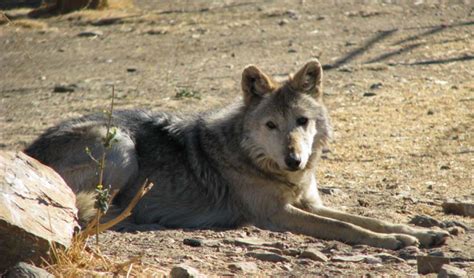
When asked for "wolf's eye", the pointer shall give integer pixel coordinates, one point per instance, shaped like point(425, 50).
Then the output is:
point(271, 125)
point(302, 121)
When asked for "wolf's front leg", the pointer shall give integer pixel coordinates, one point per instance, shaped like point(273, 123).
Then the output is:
point(427, 238)
point(296, 220)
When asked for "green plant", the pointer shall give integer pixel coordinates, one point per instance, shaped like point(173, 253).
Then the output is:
point(186, 93)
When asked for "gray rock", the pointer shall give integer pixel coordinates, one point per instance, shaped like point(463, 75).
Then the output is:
point(90, 33)
point(455, 231)
point(266, 248)
point(449, 271)
point(249, 241)
point(194, 242)
point(386, 257)
point(357, 258)
point(430, 264)
point(329, 190)
point(24, 270)
point(185, 271)
point(283, 22)
point(425, 221)
point(460, 208)
point(314, 255)
point(293, 14)
point(292, 252)
point(375, 86)
point(37, 208)
point(267, 256)
point(453, 223)
point(409, 253)
point(369, 94)
point(245, 267)
point(64, 88)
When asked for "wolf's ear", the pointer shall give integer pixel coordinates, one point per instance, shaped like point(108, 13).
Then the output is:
point(255, 84)
point(309, 79)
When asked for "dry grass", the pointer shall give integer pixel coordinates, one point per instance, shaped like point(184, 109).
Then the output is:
point(120, 4)
point(81, 260)
point(30, 24)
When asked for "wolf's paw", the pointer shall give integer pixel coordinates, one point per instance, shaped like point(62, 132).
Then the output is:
point(398, 241)
point(430, 238)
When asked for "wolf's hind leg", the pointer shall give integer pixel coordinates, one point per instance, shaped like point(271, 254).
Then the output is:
point(65, 152)
point(427, 238)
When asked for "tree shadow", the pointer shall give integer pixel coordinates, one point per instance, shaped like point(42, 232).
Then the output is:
point(433, 30)
point(440, 61)
point(359, 51)
point(385, 34)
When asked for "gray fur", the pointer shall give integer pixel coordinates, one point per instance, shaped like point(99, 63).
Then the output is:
point(224, 168)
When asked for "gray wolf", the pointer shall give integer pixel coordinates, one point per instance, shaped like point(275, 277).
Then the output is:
point(253, 162)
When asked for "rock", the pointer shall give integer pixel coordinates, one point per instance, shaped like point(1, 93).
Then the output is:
point(90, 33)
point(455, 231)
point(292, 252)
point(449, 271)
point(409, 252)
point(369, 94)
point(425, 221)
point(185, 271)
point(453, 223)
point(386, 257)
point(375, 86)
point(64, 88)
point(430, 264)
point(194, 242)
point(363, 203)
point(245, 267)
point(279, 245)
point(314, 255)
point(131, 69)
point(267, 256)
point(292, 50)
point(460, 208)
point(356, 259)
point(157, 31)
point(37, 209)
point(265, 248)
point(24, 270)
point(293, 14)
point(283, 22)
point(246, 241)
point(329, 190)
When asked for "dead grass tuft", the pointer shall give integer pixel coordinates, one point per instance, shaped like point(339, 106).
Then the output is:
point(120, 4)
point(79, 260)
point(30, 24)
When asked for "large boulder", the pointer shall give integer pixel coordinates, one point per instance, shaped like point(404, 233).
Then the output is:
point(37, 209)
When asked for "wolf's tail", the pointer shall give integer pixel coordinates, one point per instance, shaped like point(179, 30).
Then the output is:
point(85, 203)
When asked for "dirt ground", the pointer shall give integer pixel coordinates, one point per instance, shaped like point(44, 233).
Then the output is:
point(398, 84)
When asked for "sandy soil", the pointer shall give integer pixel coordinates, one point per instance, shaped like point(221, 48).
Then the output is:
point(398, 84)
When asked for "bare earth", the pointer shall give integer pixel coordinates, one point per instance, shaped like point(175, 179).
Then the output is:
point(400, 93)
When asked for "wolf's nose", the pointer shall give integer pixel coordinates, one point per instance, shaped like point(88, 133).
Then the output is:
point(293, 162)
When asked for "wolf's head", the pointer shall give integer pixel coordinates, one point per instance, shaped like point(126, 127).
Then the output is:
point(285, 123)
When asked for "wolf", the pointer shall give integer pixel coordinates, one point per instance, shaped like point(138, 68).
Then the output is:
point(252, 162)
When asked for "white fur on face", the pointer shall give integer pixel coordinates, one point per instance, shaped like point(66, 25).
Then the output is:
point(270, 147)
